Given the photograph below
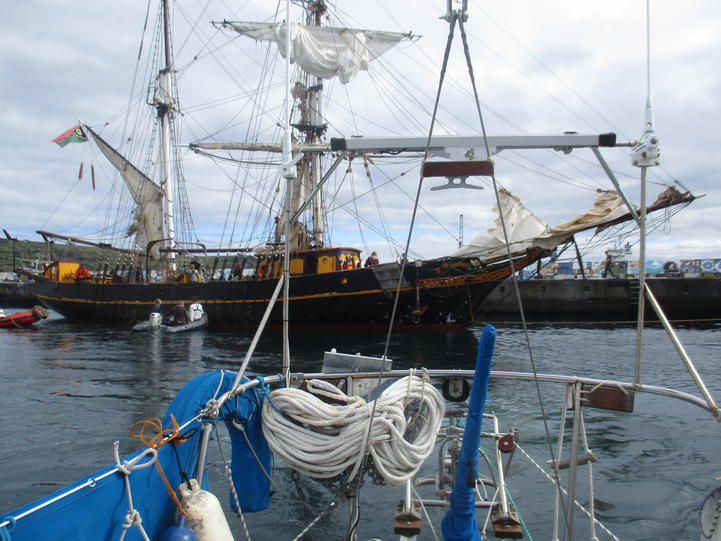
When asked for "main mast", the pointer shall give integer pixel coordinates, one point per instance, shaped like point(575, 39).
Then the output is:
point(307, 95)
point(163, 102)
point(321, 52)
point(315, 130)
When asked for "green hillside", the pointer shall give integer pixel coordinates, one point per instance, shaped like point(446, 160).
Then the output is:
point(27, 250)
point(28, 253)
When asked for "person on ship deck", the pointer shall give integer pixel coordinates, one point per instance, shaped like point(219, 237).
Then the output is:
point(372, 260)
point(608, 265)
point(82, 273)
point(195, 274)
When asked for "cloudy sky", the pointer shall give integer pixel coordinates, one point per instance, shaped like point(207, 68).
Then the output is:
point(540, 66)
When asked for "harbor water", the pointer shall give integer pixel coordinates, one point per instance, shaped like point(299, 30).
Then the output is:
point(70, 390)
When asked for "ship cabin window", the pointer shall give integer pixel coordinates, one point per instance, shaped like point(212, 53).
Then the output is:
point(326, 263)
point(348, 259)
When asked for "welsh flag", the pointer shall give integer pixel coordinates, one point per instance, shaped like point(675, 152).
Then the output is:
point(73, 135)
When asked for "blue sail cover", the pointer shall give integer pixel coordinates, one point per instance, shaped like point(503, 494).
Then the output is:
point(97, 512)
point(459, 524)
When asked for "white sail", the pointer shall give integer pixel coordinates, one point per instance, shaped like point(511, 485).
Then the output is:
point(148, 197)
point(525, 230)
point(325, 52)
point(521, 225)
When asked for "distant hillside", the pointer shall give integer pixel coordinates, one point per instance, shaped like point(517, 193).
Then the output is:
point(33, 251)
point(29, 253)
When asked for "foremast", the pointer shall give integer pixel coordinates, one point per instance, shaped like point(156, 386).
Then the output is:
point(154, 215)
point(164, 103)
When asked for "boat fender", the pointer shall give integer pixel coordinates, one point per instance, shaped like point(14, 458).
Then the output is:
point(156, 319)
point(205, 515)
point(179, 532)
point(455, 389)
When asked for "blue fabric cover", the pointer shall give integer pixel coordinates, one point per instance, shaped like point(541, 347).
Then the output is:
point(97, 513)
point(459, 524)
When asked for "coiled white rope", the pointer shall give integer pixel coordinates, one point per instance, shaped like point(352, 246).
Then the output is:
point(323, 440)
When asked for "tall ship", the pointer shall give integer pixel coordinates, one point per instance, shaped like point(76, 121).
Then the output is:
point(292, 178)
point(521, 442)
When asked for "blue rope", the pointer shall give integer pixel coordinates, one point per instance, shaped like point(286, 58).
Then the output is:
point(264, 389)
point(260, 392)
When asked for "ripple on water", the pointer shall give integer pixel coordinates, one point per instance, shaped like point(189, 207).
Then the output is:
point(655, 466)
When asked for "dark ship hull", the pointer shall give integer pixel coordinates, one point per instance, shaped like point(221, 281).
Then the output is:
point(604, 300)
point(443, 293)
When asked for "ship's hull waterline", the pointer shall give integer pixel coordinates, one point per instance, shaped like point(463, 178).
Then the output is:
point(444, 294)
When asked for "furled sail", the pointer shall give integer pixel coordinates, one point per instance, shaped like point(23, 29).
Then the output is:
point(148, 197)
point(608, 207)
point(525, 230)
point(324, 51)
point(608, 210)
point(522, 227)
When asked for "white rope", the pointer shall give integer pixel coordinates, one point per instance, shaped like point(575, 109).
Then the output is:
point(313, 522)
point(425, 513)
point(323, 440)
point(133, 518)
point(591, 496)
point(576, 502)
point(487, 520)
point(231, 484)
point(559, 454)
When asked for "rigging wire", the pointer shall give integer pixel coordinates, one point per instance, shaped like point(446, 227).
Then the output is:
point(402, 85)
point(381, 214)
point(547, 68)
point(552, 175)
point(356, 511)
point(428, 213)
point(459, 19)
point(355, 209)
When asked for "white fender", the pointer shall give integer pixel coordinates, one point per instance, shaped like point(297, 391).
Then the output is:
point(205, 515)
point(156, 319)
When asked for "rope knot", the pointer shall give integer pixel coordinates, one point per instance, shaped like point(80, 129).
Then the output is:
point(132, 518)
